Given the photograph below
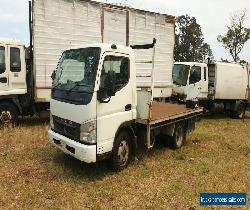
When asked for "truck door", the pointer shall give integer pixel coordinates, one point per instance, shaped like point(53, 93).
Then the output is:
point(117, 109)
point(4, 70)
point(115, 26)
point(17, 66)
point(198, 83)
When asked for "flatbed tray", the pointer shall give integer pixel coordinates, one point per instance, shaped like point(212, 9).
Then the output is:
point(163, 112)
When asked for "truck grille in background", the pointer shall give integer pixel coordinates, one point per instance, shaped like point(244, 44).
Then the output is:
point(67, 128)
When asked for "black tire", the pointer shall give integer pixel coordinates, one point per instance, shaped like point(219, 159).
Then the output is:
point(8, 115)
point(141, 142)
point(122, 151)
point(240, 111)
point(179, 137)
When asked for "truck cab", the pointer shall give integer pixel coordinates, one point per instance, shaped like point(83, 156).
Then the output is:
point(13, 85)
point(90, 106)
point(98, 112)
point(12, 68)
point(190, 81)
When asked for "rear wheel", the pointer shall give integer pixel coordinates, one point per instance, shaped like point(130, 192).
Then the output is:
point(8, 115)
point(122, 152)
point(240, 111)
point(179, 137)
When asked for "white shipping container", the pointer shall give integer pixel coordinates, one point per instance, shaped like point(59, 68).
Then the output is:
point(231, 81)
point(62, 24)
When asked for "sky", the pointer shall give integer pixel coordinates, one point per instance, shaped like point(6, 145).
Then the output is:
point(212, 15)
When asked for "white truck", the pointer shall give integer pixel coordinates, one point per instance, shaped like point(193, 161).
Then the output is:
point(98, 112)
point(25, 73)
point(217, 86)
point(104, 96)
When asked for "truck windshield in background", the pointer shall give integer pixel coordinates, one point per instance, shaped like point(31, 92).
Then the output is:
point(2, 60)
point(76, 75)
point(180, 74)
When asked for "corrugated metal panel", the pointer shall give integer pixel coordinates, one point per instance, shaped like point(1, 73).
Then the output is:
point(114, 28)
point(62, 24)
point(143, 28)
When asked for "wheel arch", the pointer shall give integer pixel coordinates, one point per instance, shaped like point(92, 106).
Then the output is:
point(128, 127)
point(14, 102)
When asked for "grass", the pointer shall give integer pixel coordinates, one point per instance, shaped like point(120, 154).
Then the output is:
point(36, 175)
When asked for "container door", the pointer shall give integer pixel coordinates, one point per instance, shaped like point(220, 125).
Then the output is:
point(4, 69)
point(115, 26)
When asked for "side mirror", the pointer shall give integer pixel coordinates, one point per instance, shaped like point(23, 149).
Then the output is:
point(53, 75)
point(110, 83)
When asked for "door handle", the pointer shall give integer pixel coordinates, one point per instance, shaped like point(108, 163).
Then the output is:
point(3, 80)
point(128, 107)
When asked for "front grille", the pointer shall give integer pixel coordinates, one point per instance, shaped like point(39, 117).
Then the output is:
point(67, 128)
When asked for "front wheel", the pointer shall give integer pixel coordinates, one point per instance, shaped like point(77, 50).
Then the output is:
point(8, 115)
point(121, 154)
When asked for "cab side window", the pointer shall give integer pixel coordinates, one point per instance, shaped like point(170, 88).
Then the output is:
point(15, 60)
point(2, 60)
point(120, 66)
point(195, 74)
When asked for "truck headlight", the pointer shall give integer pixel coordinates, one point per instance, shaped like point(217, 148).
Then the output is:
point(88, 133)
point(51, 121)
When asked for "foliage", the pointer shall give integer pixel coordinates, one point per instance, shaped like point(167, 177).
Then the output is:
point(236, 36)
point(190, 45)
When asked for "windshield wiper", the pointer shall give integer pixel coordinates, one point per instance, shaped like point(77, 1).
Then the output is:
point(77, 84)
point(56, 86)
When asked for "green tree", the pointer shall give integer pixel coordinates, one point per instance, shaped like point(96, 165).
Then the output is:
point(189, 41)
point(237, 35)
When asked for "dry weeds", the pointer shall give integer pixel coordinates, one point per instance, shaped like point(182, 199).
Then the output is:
point(35, 175)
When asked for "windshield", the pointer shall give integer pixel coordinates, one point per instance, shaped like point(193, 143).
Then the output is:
point(2, 59)
point(180, 74)
point(77, 70)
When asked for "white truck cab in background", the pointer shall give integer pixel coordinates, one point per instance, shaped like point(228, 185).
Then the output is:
point(19, 95)
point(191, 80)
point(217, 86)
point(12, 68)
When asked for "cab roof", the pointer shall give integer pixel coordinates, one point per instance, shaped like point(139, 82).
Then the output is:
point(108, 47)
point(7, 41)
point(191, 63)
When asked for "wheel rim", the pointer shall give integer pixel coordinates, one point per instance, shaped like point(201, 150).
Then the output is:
point(241, 111)
point(6, 118)
point(123, 153)
point(179, 137)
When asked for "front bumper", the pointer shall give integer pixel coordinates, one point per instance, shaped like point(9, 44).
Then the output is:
point(85, 153)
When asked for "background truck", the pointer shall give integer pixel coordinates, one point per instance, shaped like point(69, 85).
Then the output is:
point(217, 86)
point(63, 24)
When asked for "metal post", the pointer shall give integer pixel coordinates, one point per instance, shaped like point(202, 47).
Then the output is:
point(152, 74)
point(149, 145)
